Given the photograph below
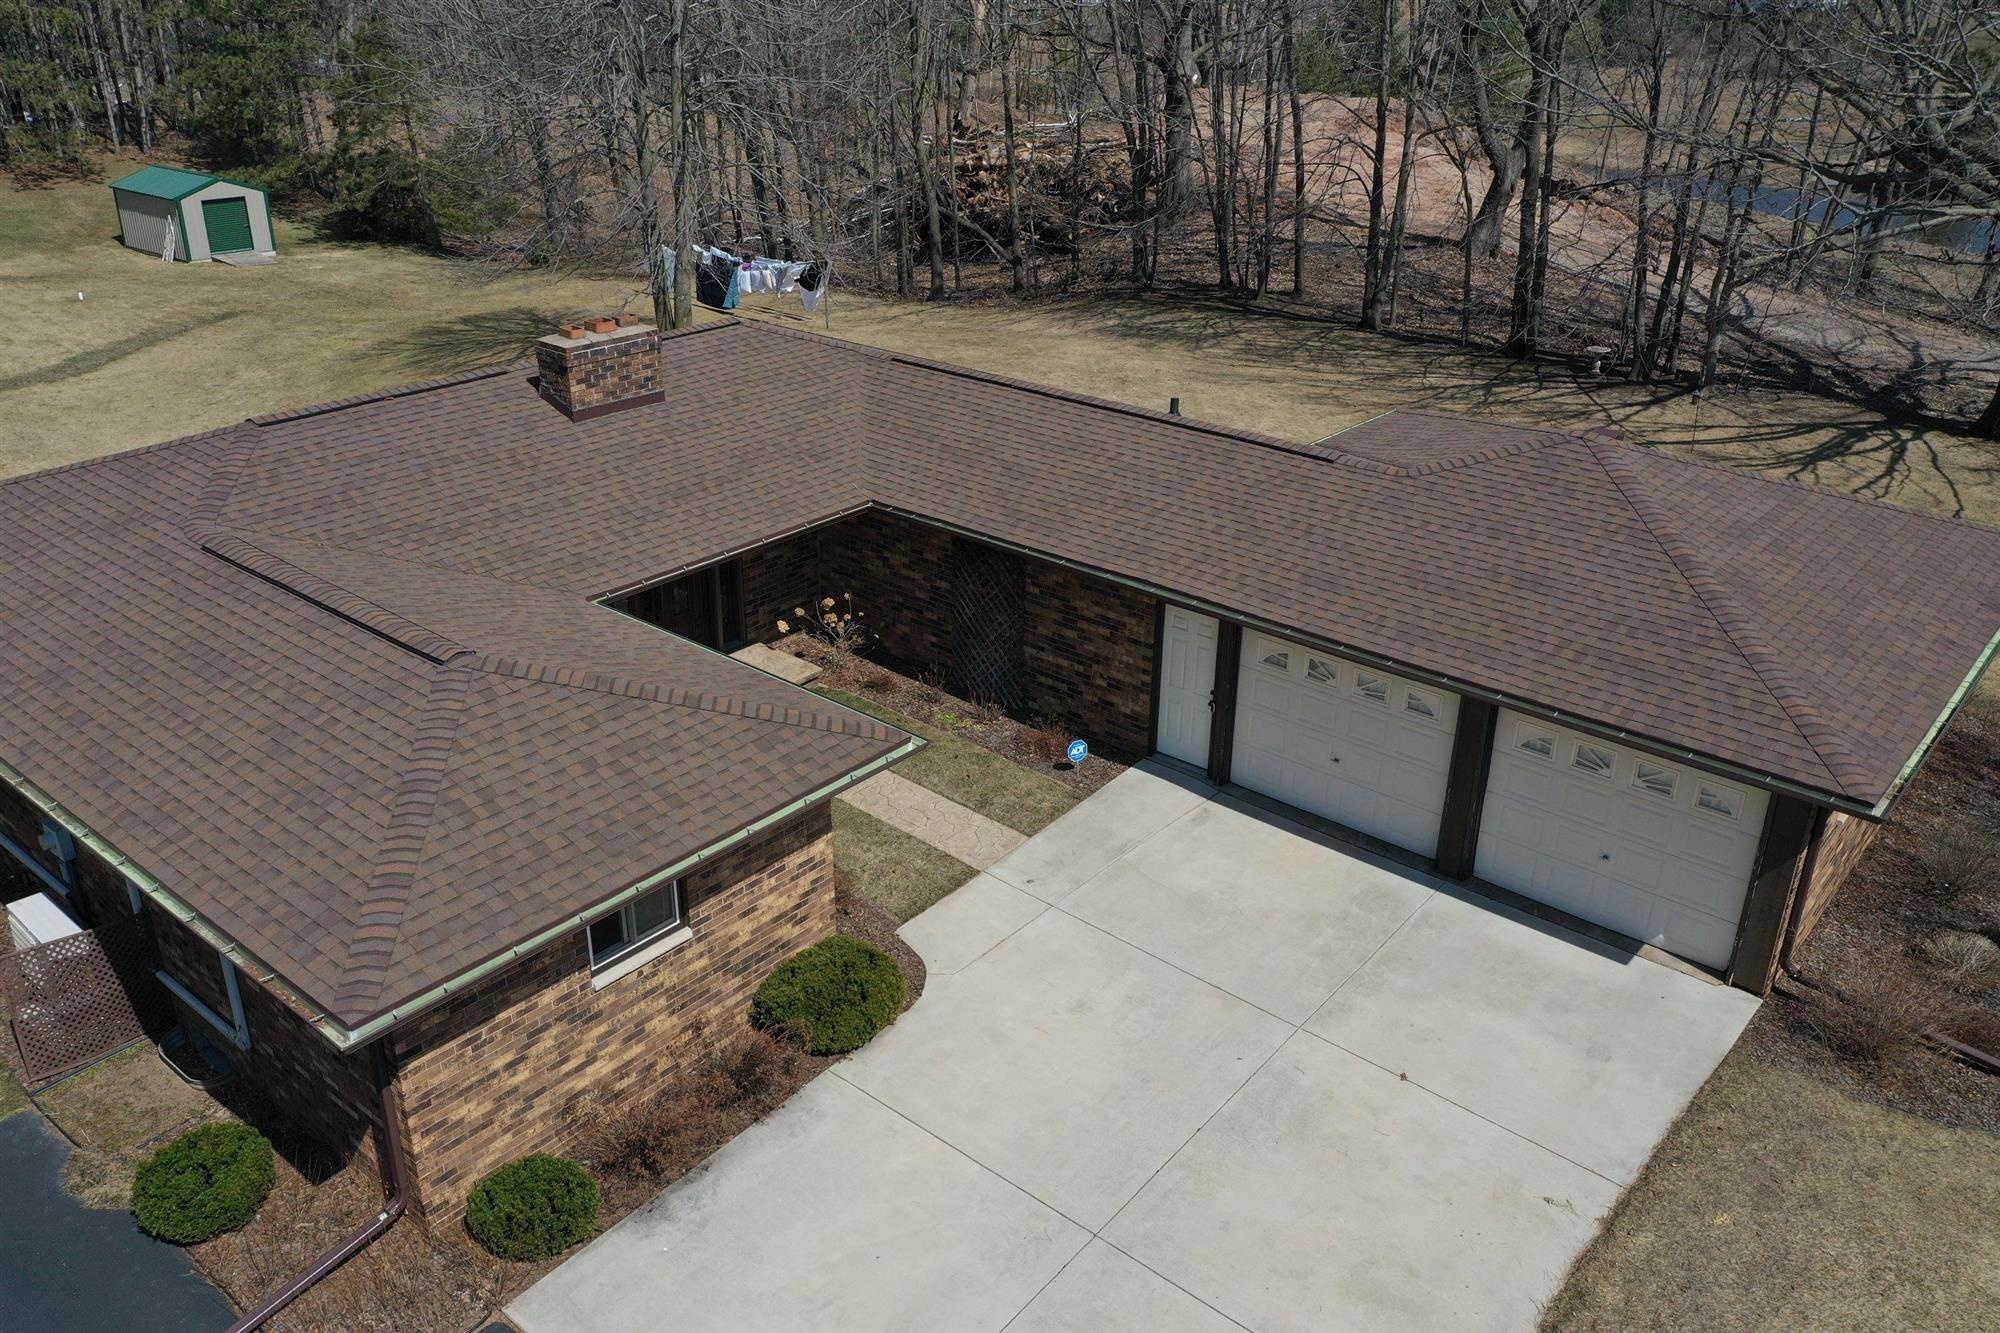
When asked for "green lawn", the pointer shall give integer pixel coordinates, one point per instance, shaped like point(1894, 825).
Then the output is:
point(892, 869)
point(1776, 1202)
point(972, 775)
point(12, 1098)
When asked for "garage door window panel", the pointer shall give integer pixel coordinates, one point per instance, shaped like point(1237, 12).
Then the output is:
point(1719, 801)
point(1655, 779)
point(1616, 837)
point(1372, 688)
point(1594, 760)
point(1422, 705)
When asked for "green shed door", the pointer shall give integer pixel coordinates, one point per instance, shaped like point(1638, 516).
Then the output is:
point(228, 223)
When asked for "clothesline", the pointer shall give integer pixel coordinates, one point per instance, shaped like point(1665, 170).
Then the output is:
point(723, 278)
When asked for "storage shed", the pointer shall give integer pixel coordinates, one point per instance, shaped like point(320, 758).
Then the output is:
point(191, 217)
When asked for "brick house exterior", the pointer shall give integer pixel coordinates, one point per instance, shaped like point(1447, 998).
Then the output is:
point(496, 1072)
point(499, 1071)
point(350, 697)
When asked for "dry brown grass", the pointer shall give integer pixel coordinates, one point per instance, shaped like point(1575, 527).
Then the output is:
point(1880, 1018)
point(1777, 1203)
point(1969, 960)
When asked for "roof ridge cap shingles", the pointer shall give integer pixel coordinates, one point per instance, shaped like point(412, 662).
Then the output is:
point(378, 923)
point(1827, 744)
point(329, 596)
point(810, 719)
point(386, 395)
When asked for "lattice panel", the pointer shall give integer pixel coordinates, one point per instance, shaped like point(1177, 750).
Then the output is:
point(988, 588)
point(80, 998)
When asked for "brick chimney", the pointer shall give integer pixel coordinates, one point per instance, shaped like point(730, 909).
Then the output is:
point(602, 365)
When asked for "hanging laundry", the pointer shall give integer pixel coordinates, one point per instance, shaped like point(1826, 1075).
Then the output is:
point(715, 280)
point(788, 277)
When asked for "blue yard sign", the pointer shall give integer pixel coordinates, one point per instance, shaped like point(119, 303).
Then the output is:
point(1078, 752)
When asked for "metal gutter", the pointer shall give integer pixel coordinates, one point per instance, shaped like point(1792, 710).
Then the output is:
point(1929, 743)
point(346, 1038)
point(1681, 754)
point(137, 879)
point(707, 562)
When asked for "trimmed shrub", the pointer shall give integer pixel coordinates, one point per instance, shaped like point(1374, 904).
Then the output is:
point(207, 1181)
point(534, 1208)
point(833, 996)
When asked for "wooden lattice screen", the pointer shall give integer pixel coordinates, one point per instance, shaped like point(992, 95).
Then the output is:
point(76, 999)
point(988, 620)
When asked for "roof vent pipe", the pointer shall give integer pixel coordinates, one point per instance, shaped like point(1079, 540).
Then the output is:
point(1173, 407)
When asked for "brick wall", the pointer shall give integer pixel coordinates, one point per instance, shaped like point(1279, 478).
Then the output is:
point(1089, 659)
point(584, 377)
point(291, 1082)
point(899, 573)
point(491, 1075)
point(779, 577)
point(1843, 842)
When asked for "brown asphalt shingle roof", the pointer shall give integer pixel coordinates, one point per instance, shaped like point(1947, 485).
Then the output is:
point(336, 678)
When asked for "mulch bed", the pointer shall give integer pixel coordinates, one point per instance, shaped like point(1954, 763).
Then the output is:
point(1868, 944)
point(416, 1280)
point(1035, 747)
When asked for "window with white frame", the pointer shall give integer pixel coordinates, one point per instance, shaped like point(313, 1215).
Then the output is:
point(636, 924)
point(1282, 661)
point(1539, 743)
point(1423, 705)
point(1372, 688)
point(1323, 672)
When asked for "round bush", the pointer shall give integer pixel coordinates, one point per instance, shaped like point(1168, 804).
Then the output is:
point(207, 1181)
point(534, 1208)
point(833, 996)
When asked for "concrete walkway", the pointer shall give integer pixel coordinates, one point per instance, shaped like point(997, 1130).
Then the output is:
point(944, 824)
point(65, 1268)
point(1183, 1065)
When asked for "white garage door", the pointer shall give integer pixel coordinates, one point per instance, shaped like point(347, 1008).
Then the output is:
point(1354, 744)
point(1649, 848)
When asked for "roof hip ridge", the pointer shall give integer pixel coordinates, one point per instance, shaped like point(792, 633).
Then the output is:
point(1841, 763)
point(329, 596)
point(601, 682)
point(392, 874)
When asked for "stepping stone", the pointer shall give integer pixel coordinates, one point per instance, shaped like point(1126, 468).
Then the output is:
point(782, 665)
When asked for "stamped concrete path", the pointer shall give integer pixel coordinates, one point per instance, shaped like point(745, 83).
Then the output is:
point(1183, 1067)
point(929, 817)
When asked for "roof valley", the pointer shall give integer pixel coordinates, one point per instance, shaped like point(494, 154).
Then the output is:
point(1708, 587)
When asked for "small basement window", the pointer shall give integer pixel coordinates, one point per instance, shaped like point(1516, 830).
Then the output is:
point(1654, 779)
point(1592, 759)
point(1718, 801)
point(1372, 688)
point(1541, 744)
point(1423, 705)
point(1323, 672)
point(635, 925)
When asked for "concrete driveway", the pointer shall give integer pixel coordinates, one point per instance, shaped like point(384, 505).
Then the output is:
point(1184, 1065)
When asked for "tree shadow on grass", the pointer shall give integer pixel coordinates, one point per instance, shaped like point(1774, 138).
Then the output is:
point(469, 342)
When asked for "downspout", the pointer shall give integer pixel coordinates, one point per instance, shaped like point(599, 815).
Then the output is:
point(1788, 964)
point(398, 1172)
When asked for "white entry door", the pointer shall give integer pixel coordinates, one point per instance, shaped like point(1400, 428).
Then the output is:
point(1354, 744)
point(1650, 848)
point(1187, 686)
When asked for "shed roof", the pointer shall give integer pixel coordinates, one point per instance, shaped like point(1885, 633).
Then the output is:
point(164, 182)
